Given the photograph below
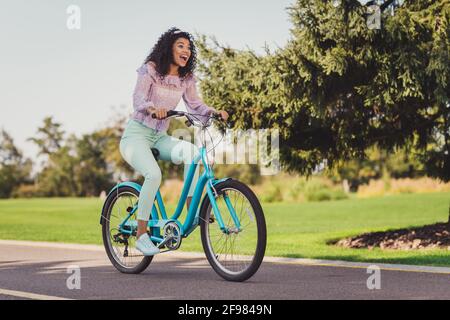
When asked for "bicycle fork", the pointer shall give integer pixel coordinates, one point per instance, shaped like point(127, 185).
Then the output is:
point(212, 198)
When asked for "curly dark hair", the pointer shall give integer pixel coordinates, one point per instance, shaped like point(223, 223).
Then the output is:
point(162, 55)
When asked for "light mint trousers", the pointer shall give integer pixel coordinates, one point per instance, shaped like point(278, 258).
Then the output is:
point(135, 147)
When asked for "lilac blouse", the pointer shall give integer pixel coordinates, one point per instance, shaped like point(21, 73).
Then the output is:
point(152, 91)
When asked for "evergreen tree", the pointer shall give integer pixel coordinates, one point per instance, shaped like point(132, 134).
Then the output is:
point(339, 88)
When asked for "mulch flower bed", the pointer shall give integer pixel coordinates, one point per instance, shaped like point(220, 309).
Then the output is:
point(426, 237)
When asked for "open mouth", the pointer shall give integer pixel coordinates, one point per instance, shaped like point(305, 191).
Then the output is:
point(184, 58)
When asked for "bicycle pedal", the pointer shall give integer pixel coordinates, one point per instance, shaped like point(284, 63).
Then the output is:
point(163, 243)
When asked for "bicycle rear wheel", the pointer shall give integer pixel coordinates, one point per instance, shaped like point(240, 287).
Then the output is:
point(119, 245)
point(235, 254)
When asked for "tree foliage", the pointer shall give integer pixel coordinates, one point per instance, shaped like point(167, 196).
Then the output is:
point(49, 137)
point(379, 164)
point(14, 167)
point(82, 166)
point(338, 88)
point(75, 166)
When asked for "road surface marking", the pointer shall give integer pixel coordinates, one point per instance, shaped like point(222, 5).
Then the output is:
point(356, 265)
point(29, 295)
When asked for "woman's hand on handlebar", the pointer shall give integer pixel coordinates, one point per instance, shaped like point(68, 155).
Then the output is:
point(159, 113)
point(223, 114)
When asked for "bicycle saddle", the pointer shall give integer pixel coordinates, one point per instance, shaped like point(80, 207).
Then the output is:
point(155, 153)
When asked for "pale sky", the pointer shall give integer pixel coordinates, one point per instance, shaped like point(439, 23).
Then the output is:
point(77, 75)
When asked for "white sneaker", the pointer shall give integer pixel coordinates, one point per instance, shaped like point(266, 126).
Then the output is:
point(146, 246)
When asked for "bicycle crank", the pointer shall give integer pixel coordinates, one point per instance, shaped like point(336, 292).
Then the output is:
point(172, 236)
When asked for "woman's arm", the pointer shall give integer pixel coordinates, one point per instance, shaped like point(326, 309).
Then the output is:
point(193, 102)
point(141, 94)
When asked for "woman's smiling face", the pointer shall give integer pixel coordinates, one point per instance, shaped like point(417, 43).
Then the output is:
point(181, 51)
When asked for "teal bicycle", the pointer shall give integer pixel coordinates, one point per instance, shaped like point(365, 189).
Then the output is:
point(231, 219)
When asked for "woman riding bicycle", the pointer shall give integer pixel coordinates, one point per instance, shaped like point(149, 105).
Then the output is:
point(166, 76)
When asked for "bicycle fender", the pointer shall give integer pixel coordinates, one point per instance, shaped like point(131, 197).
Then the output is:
point(133, 185)
point(221, 180)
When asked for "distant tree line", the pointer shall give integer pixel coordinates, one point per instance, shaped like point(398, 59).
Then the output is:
point(68, 165)
point(71, 166)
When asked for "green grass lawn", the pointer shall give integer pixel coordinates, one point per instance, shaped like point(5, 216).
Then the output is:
point(294, 230)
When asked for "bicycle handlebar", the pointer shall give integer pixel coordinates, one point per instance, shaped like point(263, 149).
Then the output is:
point(171, 113)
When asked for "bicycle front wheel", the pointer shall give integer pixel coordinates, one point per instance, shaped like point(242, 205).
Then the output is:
point(234, 253)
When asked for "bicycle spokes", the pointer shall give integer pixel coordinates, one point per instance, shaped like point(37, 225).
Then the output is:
point(122, 225)
point(235, 246)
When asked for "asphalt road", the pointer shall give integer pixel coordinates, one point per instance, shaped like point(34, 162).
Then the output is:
point(31, 272)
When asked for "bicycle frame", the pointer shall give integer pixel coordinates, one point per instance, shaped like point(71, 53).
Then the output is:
point(159, 217)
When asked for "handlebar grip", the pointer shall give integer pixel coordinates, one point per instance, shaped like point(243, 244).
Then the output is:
point(169, 114)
